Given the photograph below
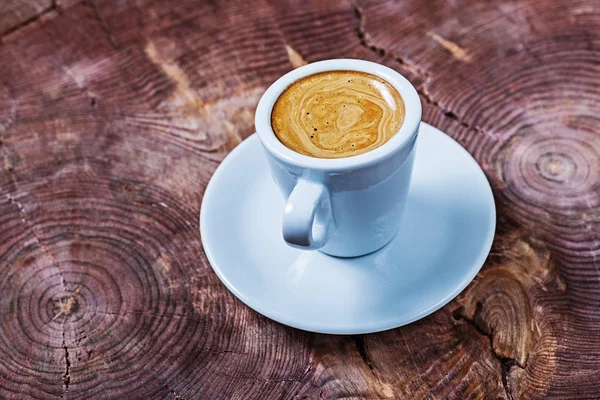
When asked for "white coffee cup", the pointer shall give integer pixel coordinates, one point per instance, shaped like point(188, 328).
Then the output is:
point(342, 206)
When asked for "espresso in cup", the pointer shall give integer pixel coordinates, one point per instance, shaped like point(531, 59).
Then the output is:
point(337, 114)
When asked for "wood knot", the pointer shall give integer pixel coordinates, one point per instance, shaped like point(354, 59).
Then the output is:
point(556, 167)
point(551, 174)
point(498, 306)
point(504, 303)
point(499, 302)
point(67, 305)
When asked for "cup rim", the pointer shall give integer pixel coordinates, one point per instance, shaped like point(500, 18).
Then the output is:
point(401, 139)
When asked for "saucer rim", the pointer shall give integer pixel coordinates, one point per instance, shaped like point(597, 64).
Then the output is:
point(344, 329)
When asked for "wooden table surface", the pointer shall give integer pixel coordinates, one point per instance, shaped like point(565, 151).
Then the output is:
point(114, 115)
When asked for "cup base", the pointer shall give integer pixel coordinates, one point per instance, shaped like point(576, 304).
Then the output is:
point(337, 255)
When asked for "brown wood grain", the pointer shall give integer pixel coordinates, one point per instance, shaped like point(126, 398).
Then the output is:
point(114, 115)
point(17, 13)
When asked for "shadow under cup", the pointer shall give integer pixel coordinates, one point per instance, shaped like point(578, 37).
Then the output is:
point(349, 206)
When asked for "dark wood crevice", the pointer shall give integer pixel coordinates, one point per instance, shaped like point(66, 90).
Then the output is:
point(30, 21)
point(425, 76)
point(361, 348)
point(174, 393)
point(505, 363)
point(67, 374)
point(359, 343)
point(366, 42)
point(91, 4)
point(426, 95)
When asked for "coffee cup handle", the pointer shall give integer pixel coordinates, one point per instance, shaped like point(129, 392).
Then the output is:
point(307, 218)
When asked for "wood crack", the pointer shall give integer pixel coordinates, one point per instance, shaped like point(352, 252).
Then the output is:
point(67, 374)
point(52, 7)
point(96, 14)
point(306, 372)
point(9, 168)
point(321, 394)
point(174, 393)
point(28, 225)
point(422, 90)
point(366, 42)
point(359, 343)
point(506, 363)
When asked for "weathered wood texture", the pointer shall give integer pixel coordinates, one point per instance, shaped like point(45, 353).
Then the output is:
point(114, 114)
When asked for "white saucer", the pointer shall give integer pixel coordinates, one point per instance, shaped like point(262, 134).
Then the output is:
point(444, 239)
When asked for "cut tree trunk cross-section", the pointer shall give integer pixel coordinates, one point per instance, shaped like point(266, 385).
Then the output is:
point(114, 115)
